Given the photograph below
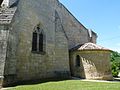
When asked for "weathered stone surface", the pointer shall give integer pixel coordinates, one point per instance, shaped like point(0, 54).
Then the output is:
point(94, 64)
point(74, 30)
point(6, 15)
point(32, 65)
point(3, 51)
point(61, 32)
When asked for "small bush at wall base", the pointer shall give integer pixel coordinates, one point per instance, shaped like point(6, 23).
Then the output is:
point(115, 62)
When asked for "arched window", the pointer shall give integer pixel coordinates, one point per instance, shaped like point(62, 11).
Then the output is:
point(37, 40)
point(77, 61)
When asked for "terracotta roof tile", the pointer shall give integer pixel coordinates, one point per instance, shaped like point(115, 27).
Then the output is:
point(89, 46)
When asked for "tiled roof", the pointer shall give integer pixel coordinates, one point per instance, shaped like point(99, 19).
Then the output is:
point(89, 46)
point(6, 15)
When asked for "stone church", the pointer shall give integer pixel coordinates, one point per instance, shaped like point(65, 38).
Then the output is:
point(41, 39)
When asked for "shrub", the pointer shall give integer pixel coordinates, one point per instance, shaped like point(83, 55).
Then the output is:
point(115, 62)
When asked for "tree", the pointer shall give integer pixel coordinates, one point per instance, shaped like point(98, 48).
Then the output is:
point(115, 62)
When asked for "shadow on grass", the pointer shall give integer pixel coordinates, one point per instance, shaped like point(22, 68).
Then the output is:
point(33, 82)
point(40, 81)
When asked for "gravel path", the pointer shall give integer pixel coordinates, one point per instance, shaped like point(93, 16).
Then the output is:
point(115, 80)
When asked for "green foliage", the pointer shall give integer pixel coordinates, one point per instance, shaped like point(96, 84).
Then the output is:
point(115, 62)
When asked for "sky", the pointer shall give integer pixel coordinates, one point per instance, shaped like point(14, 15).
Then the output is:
point(102, 16)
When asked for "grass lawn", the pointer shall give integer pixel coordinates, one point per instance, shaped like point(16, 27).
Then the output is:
point(70, 85)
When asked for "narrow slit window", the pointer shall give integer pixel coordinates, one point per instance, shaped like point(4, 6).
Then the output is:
point(34, 42)
point(41, 42)
point(78, 61)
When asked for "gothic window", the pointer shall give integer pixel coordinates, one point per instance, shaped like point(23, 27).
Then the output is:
point(37, 41)
point(77, 61)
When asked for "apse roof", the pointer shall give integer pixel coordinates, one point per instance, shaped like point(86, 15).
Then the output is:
point(89, 46)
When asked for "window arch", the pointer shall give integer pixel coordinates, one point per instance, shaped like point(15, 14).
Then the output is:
point(78, 61)
point(38, 40)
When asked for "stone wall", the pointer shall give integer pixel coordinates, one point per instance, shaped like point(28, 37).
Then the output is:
point(11, 56)
point(62, 31)
point(94, 64)
point(61, 48)
point(75, 31)
point(3, 50)
point(54, 61)
point(76, 71)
